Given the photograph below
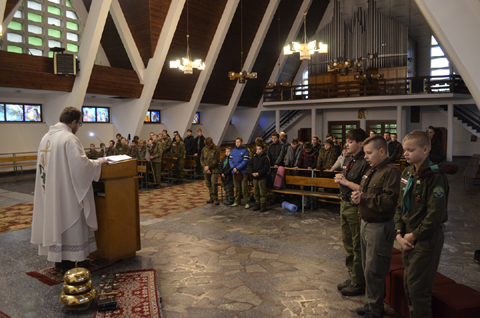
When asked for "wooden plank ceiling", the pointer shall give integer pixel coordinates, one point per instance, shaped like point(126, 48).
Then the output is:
point(273, 45)
point(146, 19)
point(220, 88)
point(204, 16)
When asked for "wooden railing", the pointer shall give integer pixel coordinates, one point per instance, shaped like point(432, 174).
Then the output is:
point(389, 86)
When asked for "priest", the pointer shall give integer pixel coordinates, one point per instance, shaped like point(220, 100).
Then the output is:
point(64, 216)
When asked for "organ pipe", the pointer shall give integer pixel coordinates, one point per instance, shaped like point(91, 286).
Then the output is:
point(370, 36)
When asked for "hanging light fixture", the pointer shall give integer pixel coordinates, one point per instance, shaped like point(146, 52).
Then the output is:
point(306, 49)
point(243, 75)
point(188, 65)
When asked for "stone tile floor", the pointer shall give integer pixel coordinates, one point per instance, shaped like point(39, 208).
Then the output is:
point(218, 261)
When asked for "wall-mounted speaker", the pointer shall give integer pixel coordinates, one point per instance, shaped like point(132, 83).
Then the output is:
point(65, 64)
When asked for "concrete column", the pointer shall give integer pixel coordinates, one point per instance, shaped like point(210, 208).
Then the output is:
point(277, 120)
point(450, 132)
point(399, 122)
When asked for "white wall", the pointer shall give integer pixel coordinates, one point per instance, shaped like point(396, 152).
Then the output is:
point(462, 146)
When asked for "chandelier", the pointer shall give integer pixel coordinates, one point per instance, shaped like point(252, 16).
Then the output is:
point(188, 65)
point(243, 75)
point(306, 49)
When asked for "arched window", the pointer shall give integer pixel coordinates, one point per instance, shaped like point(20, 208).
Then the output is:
point(39, 25)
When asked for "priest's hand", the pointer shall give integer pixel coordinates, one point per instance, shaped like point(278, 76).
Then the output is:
point(103, 161)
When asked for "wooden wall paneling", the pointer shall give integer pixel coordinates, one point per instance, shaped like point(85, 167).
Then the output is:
point(220, 88)
point(271, 48)
point(204, 16)
point(32, 72)
point(112, 43)
point(114, 81)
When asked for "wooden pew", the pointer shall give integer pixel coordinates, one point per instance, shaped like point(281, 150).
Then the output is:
point(311, 186)
point(18, 161)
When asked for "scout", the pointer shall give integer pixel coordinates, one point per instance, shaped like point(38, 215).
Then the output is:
point(377, 200)
point(421, 212)
point(354, 167)
point(210, 159)
point(178, 153)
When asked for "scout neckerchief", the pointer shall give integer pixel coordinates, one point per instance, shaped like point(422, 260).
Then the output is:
point(359, 155)
point(408, 187)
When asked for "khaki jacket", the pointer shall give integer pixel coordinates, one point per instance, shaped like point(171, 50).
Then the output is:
point(210, 157)
point(380, 187)
point(428, 203)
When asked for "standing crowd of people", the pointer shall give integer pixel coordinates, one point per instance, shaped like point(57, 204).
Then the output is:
point(379, 203)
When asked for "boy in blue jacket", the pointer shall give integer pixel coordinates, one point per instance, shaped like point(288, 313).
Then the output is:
point(239, 164)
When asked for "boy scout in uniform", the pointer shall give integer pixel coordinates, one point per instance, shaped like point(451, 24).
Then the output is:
point(92, 154)
point(178, 153)
point(101, 153)
point(142, 150)
point(353, 169)
point(111, 150)
point(227, 177)
point(167, 142)
point(326, 159)
point(133, 149)
point(156, 159)
point(377, 200)
point(119, 141)
point(421, 212)
point(124, 148)
point(210, 159)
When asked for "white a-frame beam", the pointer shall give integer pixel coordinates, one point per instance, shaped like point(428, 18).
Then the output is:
point(129, 115)
point(222, 115)
point(180, 116)
point(86, 55)
point(456, 25)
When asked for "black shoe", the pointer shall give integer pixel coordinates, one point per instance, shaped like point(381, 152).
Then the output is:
point(263, 208)
point(256, 207)
point(362, 311)
point(210, 201)
point(372, 315)
point(216, 202)
point(344, 284)
point(228, 202)
point(353, 290)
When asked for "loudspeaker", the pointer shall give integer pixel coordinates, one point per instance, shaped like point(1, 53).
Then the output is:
point(65, 64)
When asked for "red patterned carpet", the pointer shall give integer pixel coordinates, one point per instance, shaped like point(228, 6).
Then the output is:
point(153, 203)
point(51, 277)
point(137, 296)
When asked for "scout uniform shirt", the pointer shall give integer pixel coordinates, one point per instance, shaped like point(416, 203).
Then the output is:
point(111, 151)
point(327, 158)
point(92, 154)
point(353, 169)
point(133, 151)
point(380, 187)
point(210, 157)
point(157, 152)
point(142, 152)
point(422, 205)
point(123, 149)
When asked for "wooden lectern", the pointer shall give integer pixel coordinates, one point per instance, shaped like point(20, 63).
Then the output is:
point(116, 201)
